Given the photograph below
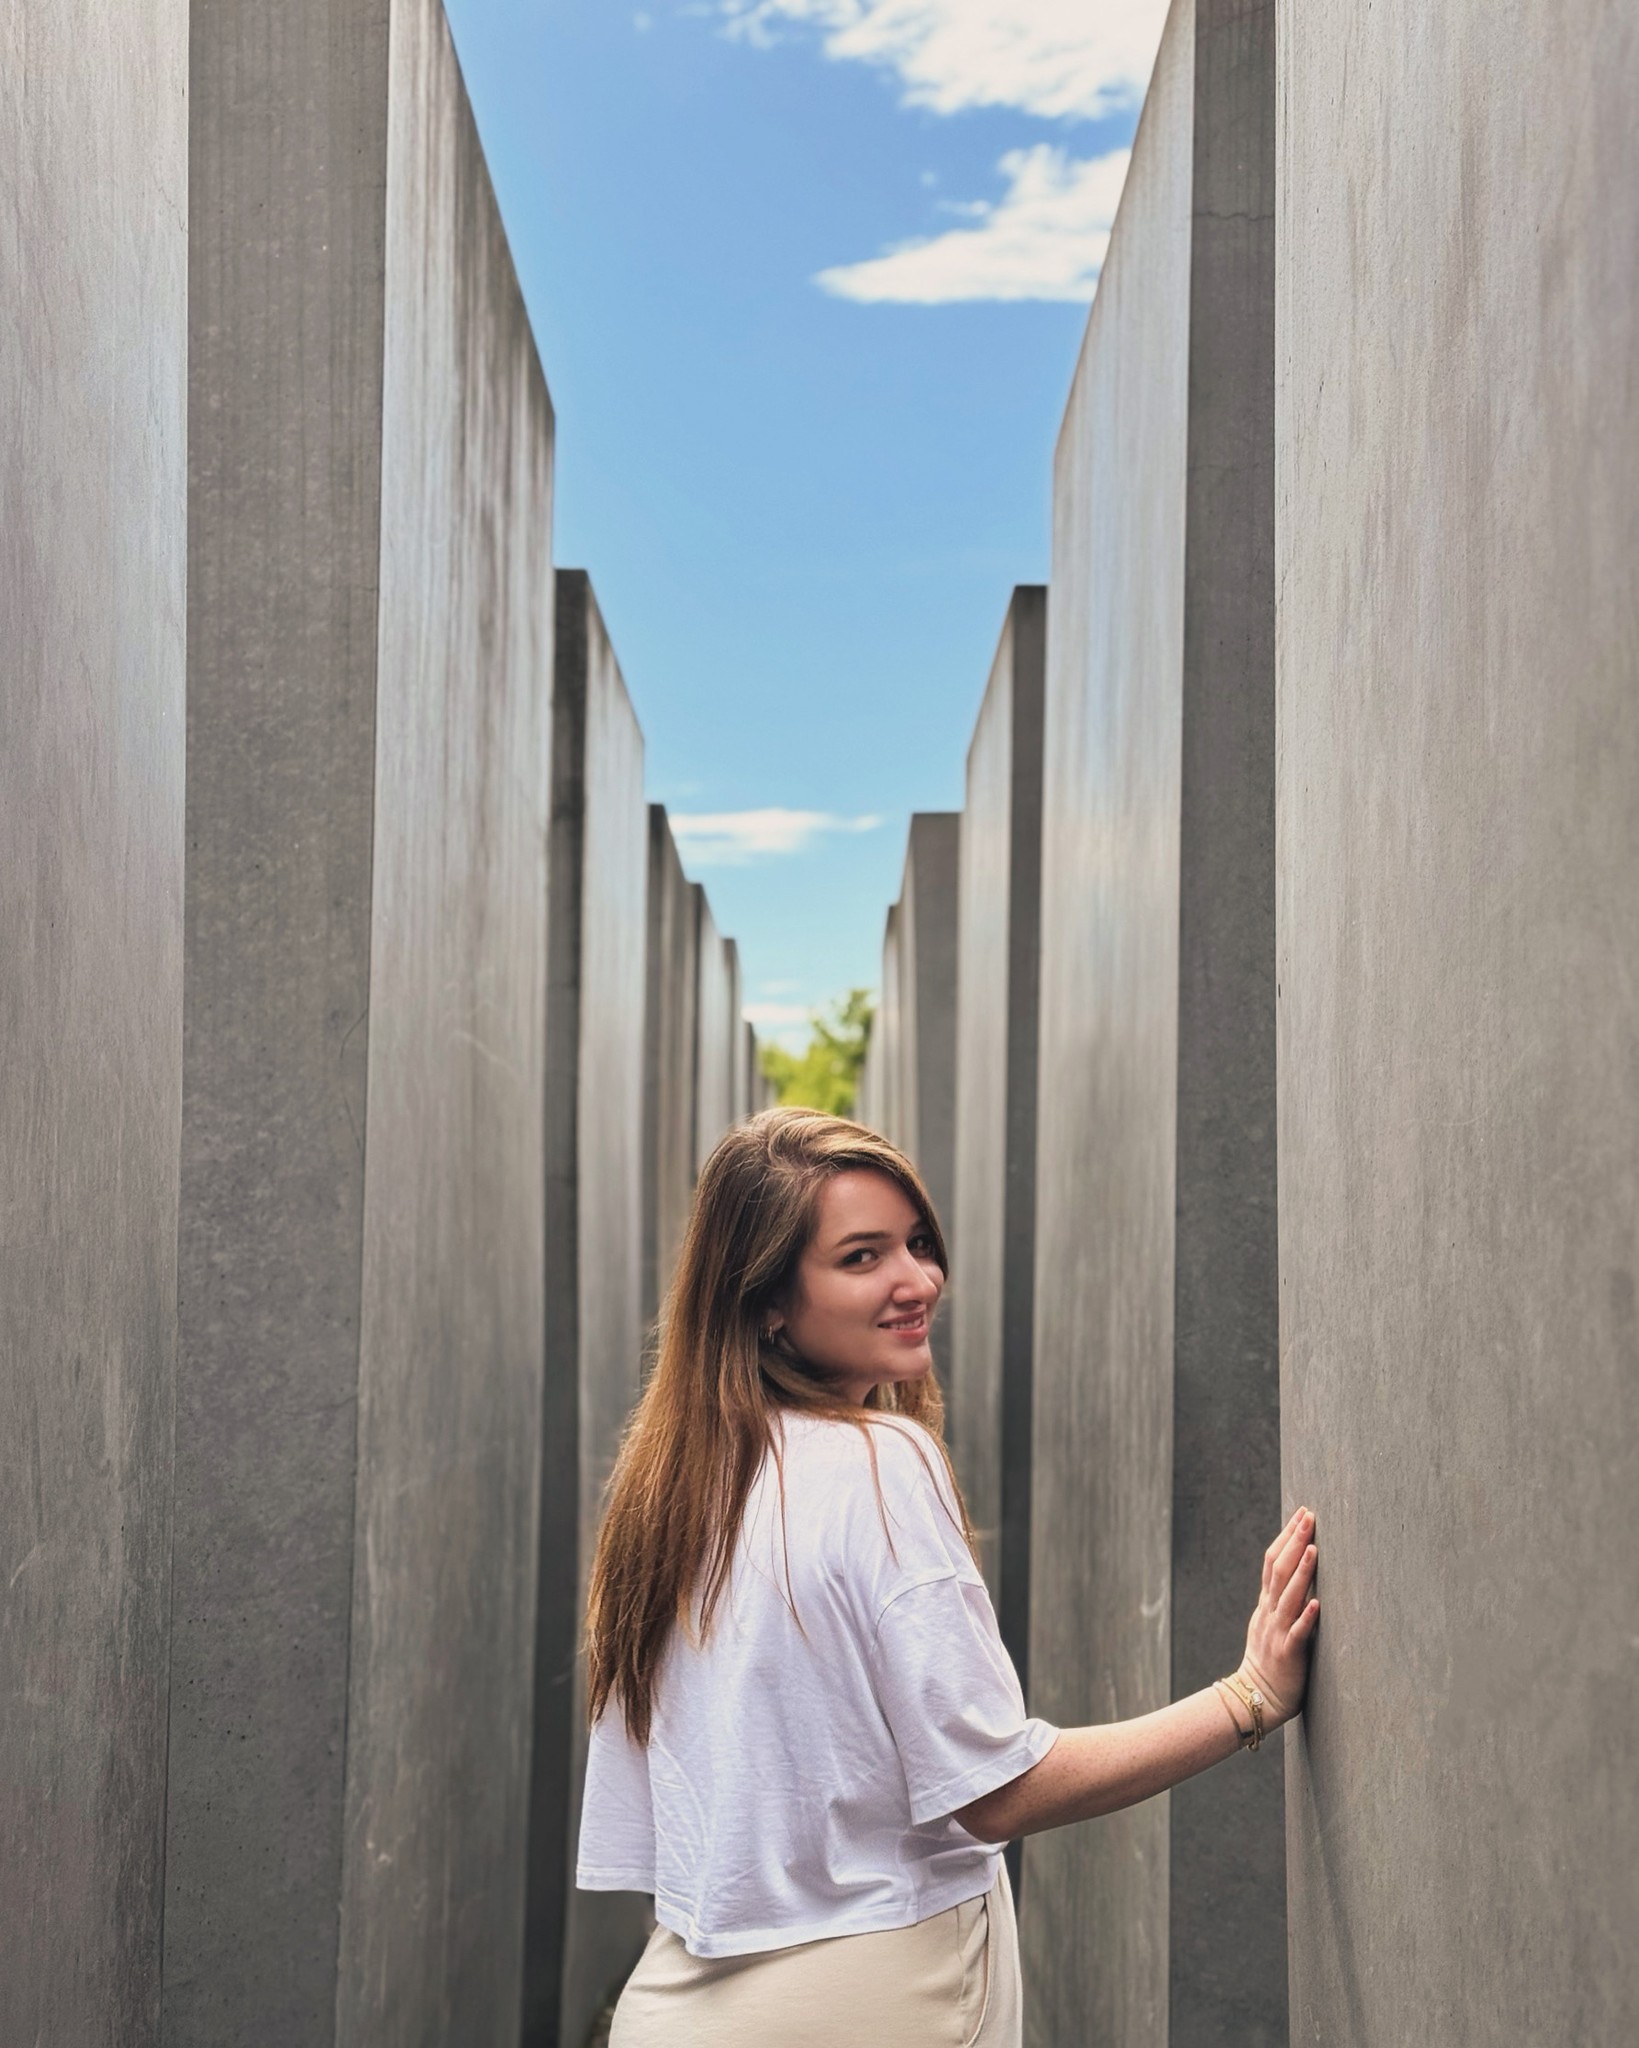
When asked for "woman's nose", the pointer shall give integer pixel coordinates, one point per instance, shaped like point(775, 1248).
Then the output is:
point(913, 1280)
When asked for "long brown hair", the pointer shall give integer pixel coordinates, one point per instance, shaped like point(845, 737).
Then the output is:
point(697, 1438)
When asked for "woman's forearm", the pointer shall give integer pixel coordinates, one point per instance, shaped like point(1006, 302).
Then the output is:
point(1090, 1771)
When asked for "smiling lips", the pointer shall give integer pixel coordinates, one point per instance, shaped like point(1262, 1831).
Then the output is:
point(908, 1326)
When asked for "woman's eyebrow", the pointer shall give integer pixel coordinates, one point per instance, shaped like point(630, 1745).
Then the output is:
point(862, 1237)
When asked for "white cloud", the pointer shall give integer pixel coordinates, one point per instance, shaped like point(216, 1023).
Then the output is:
point(790, 1025)
point(1056, 58)
point(1045, 238)
point(724, 839)
point(771, 1016)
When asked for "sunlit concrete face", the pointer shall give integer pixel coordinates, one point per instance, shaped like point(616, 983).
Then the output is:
point(359, 1383)
point(452, 1303)
point(1458, 524)
point(1095, 1940)
point(580, 1944)
point(1155, 1478)
point(93, 390)
point(992, 1300)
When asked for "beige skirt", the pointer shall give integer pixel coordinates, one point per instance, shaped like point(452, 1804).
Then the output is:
point(948, 1982)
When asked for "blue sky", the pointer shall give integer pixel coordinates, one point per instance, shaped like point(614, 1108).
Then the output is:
point(808, 279)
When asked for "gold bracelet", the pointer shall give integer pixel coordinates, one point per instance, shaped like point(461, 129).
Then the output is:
point(1253, 1700)
point(1242, 1735)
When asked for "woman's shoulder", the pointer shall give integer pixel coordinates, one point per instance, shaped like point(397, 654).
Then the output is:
point(895, 1440)
point(881, 1460)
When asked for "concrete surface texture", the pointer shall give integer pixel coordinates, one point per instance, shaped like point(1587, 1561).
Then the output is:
point(869, 1088)
point(739, 1096)
point(1157, 1400)
point(993, 1296)
point(888, 1036)
point(671, 998)
point(580, 1944)
point(365, 982)
point(1458, 523)
point(1227, 1935)
point(751, 1068)
point(284, 546)
point(715, 1012)
point(93, 394)
point(452, 1311)
point(927, 1001)
point(1095, 1938)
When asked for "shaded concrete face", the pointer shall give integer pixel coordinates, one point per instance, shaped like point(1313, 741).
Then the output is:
point(450, 1348)
point(93, 160)
point(715, 1011)
point(580, 1944)
point(1228, 1876)
point(734, 1045)
point(888, 1036)
point(992, 1300)
point(669, 1062)
point(927, 1001)
point(1459, 1098)
point(1095, 1939)
point(865, 1093)
point(369, 670)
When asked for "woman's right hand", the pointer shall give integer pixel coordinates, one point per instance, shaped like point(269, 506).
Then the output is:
point(1280, 1633)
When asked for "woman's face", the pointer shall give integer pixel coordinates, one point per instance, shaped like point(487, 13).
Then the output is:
point(866, 1287)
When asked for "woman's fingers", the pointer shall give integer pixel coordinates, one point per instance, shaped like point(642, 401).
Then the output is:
point(1275, 1548)
point(1296, 1590)
point(1304, 1627)
point(1295, 1537)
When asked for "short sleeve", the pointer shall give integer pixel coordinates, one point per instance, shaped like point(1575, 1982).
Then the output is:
point(951, 1696)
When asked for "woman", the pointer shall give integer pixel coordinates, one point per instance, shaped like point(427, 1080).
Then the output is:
point(808, 1742)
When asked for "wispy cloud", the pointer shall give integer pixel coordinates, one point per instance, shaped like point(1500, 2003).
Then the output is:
point(788, 1024)
point(1045, 238)
point(1057, 58)
point(773, 1016)
point(722, 839)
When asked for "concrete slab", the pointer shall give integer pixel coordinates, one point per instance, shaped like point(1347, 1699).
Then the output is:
point(1458, 522)
point(93, 505)
point(927, 943)
point(868, 1088)
point(734, 1040)
point(991, 1340)
point(715, 1012)
point(361, 1305)
point(581, 1944)
point(671, 995)
point(888, 1034)
point(452, 1304)
point(1156, 1413)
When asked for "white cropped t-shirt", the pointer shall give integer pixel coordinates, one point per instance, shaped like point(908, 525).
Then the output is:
point(803, 1766)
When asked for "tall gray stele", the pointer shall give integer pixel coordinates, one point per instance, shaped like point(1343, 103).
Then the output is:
point(1458, 524)
point(580, 1944)
point(992, 1341)
point(361, 1316)
point(1156, 1427)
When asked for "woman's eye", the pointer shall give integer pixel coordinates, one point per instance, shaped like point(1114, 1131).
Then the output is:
point(853, 1258)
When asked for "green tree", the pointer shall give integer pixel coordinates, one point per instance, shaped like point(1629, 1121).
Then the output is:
point(826, 1074)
